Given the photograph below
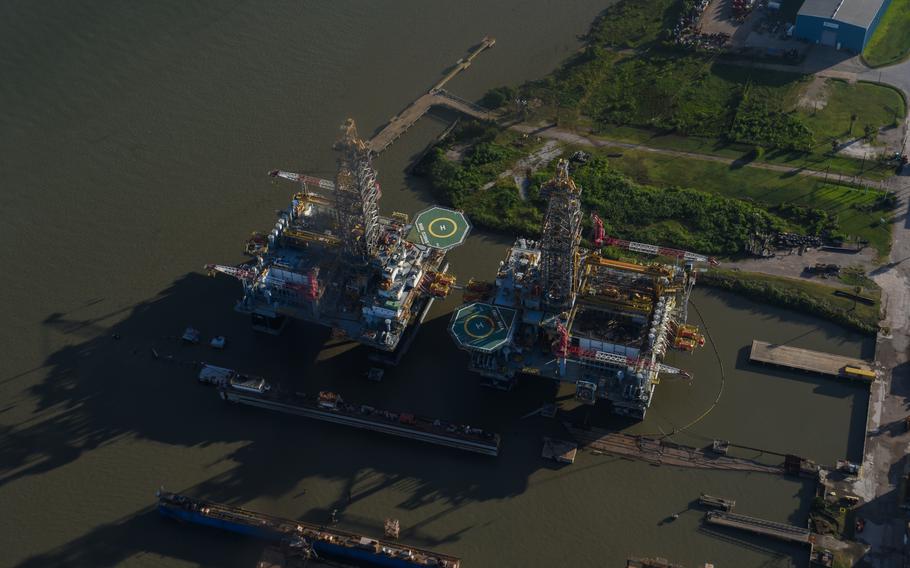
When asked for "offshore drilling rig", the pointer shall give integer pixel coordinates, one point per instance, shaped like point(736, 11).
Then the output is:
point(332, 259)
point(562, 312)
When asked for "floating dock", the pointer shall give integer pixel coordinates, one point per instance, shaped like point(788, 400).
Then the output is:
point(651, 563)
point(559, 450)
point(661, 452)
point(780, 531)
point(306, 539)
point(811, 361)
point(716, 502)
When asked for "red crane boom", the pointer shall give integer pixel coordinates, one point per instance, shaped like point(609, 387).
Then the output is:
point(304, 179)
point(598, 237)
point(658, 250)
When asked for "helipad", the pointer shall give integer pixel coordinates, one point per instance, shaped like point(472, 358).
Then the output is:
point(483, 327)
point(441, 228)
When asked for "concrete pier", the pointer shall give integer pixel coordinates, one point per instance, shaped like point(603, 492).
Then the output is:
point(808, 360)
point(436, 96)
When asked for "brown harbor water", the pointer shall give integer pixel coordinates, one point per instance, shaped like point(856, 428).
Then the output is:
point(134, 140)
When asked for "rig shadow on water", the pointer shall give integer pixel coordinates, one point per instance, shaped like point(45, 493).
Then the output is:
point(136, 379)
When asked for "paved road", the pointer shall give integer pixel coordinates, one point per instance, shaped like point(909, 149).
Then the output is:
point(887, 442)
point(794, 265)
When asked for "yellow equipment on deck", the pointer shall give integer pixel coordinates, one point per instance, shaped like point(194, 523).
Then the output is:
point(859, 373)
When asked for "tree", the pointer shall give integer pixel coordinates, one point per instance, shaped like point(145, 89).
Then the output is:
point(869, 132)
point(497, 97)
point(853, 118)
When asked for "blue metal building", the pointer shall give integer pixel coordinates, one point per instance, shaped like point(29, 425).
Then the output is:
point(843, 24)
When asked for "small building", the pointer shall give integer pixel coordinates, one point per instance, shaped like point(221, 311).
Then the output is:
point(842, 24)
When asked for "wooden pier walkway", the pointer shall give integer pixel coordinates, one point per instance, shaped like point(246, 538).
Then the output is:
point(436, 96)
point(808, 360)
point(781, 531)
point(661, 452)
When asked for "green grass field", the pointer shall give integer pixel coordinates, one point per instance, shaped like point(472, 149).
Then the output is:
point(872, 104)
point(660, 95)
point(891, 41)
point(734, 151)
point(765, 187)
point(687, 103)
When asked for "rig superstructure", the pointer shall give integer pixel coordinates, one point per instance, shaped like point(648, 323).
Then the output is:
point(563, 312)
point(332, 259)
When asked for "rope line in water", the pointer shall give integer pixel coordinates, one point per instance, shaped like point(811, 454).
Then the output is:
point(723, 380)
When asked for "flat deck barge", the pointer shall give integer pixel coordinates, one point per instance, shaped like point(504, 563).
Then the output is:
point(307, 537)
point(330, 407)
point(781, 531)
point(662, 452)
point(811, 361)
point(716, 502)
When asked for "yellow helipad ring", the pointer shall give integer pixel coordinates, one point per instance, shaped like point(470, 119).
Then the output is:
point(476, 335)
point(445, 236)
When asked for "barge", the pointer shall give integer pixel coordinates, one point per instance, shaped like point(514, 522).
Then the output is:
point(331, 407)
point(318, 541)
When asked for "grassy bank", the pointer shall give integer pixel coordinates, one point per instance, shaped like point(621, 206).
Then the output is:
point(689, 218)
point(809, 297)
point(891, 41)
point(848, 211)
point(473, 157)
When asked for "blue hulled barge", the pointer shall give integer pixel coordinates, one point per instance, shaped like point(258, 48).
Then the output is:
point(315, 540)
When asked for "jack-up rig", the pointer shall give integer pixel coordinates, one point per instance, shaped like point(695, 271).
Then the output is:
point(332, 259)
point(560, 311)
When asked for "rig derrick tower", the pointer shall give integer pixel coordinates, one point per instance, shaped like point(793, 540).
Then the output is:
point(560, 238)
point(357, 197)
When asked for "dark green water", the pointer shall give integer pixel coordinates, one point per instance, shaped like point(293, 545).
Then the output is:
point(133, 145)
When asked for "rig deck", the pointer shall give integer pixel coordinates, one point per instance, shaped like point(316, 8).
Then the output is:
point(333, 260)
point(563, 312)
point(811, 361)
